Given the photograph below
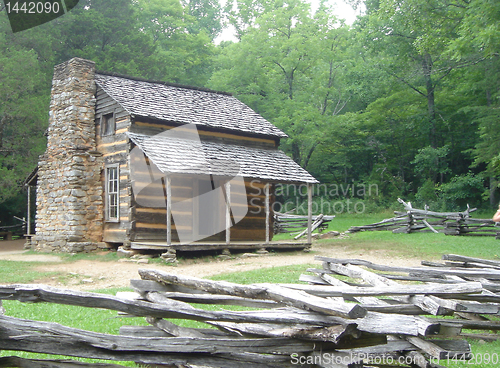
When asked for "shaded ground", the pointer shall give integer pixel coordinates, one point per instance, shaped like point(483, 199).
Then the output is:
point(88, 274)
point(12, 245)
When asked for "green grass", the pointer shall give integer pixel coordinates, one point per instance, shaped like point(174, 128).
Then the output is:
point(91, 319)
point(22, 272)
point(282, 274)
point(425, 246)
point(105, 256)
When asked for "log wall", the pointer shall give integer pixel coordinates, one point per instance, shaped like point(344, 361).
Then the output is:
point(149, 221)
point(206, 134)
point(115, 150)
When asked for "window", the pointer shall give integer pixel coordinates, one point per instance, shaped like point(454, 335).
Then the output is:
point(107, 124)
point(112, 194)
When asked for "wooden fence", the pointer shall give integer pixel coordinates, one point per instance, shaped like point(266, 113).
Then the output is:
point(297, 224)
point(418, 220)
point(364, 318)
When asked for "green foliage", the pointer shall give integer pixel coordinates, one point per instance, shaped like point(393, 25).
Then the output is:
point(462, 190)
point(429, 162)
point(427, 196)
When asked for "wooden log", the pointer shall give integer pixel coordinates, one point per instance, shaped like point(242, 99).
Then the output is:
point(438, 352)
point(448, 291)
point(375, 323)
point(486, 273)
point(481, 337)
point(53, 338)
point(222, 300)
point(171, 329)
point(429, 303)
point(16, 362)
point(464, 214)
point(312, 227)
point(173, 309)
point(383, 306)
point(333, 334)
point(470, 324)
point(292, 298)
point(309, 213)
point(227, 187)
point(168, 197)
point(455, 257)
point(430, 227)
point(142, 331)
point(268, 212)
point(374, 304)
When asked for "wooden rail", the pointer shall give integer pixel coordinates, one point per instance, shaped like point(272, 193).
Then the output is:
point(297, 225)
point(355, 319)
point(418, 220)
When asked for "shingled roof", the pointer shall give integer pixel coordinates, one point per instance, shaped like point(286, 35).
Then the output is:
point(186, 156)
point(185, 105)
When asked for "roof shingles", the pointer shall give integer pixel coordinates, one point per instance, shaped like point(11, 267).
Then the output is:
point(185, 156)
point(185, 105)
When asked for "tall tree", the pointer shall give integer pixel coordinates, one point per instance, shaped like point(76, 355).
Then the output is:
point(289, 67)
point(206, 17)
point(22, 118)
point(411, 38)
point(183, 52)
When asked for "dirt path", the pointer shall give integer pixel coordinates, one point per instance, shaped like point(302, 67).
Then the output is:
point(89, 275)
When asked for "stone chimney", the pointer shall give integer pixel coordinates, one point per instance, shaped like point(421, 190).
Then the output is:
point(69, 215)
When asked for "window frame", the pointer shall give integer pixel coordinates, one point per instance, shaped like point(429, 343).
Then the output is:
point(108, 124)
point(112, 194)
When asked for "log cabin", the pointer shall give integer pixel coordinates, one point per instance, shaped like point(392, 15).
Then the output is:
point(153, 165)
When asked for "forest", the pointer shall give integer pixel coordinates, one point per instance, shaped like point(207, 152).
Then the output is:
point(405, 99)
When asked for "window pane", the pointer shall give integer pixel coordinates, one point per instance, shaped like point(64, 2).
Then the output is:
point(112, 192)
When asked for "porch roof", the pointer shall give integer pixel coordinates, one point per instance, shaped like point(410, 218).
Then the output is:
point(191, 156)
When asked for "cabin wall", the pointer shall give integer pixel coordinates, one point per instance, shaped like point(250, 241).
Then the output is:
point(149, 208)
point(253, 225)
point(153, 127)
point(115, 148)
point(150, 217)
point(149, 222)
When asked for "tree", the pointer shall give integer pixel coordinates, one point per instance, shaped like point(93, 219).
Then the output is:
point(183, 51)
point(411, 37)
point(289, 67)
point(206, 17)
point(22, 113)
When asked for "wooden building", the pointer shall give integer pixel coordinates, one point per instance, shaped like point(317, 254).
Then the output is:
point(152, 165)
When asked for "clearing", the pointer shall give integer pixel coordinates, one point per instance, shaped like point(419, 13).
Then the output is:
point(87, 274)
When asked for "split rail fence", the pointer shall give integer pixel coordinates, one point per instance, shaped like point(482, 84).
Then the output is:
point(297, 224)
point(423, 220)
point(358, 320)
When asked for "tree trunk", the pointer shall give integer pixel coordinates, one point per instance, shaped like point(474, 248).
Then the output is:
point(493, 189)
point(431, 108)
point(296, 152)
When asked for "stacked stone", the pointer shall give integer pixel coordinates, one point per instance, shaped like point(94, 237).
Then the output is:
point(70, 192)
